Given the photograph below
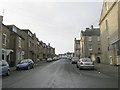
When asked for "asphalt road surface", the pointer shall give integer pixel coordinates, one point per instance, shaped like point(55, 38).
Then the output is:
point(58, 74)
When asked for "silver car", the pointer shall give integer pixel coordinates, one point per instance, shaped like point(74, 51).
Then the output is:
point(4, 68)
point(49, 59)
point(85, 63)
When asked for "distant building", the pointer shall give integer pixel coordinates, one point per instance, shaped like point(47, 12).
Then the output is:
point(77, 48)
point(110, 32)
point(70, 54)
point(90, 45)
point(50, 51)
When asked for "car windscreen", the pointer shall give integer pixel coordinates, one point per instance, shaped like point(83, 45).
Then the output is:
point(23, 61)
point(86, 60)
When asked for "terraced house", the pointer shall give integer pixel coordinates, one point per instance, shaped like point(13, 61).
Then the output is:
point(6, 50)
point(18, 44)
point(110, 32)
point(12, 44)
point(90, 44)
point(30, 44)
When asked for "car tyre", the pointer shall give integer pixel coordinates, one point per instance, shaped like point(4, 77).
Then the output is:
point(17, 69)
point(28, 67)
point(77, 66)
point(8, 73)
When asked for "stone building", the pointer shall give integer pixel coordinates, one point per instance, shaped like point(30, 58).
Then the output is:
point(110, 32)
point(90, 45)
point(29, 44)
point(16, 43)
point(76, 48)
point(7, 51)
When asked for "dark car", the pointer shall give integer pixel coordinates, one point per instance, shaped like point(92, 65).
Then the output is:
point(75, 60)
point(25, 64)
point(4, 68)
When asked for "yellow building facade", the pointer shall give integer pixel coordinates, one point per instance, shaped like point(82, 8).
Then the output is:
point(110, 32)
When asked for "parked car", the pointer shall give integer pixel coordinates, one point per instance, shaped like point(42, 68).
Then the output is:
point(55, 58)
point(4, 68)
point(69, 58)
point(75, 60)
point(85, 63)
point(49, 59)
point(25, 64)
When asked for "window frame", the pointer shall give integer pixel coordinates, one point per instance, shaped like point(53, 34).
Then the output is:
point(90, 39)
point(5, 39)
point(19, 42)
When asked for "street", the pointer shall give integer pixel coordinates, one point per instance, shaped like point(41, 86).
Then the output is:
point(58, 74)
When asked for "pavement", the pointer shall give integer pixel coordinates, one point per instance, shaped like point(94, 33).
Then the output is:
point(110, 70)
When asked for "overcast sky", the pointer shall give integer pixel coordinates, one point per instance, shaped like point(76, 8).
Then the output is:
point(57, 23)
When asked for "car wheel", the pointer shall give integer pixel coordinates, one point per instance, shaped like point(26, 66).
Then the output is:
point(77, 66)
point(28, 67)
point(8, 73)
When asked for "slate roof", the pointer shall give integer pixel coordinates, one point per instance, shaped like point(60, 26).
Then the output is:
point(91, 32)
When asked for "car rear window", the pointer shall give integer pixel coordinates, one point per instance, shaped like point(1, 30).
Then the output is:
point(75, 58)
point(86, 60)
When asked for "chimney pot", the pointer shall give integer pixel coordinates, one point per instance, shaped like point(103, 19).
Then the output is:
point(91, 26)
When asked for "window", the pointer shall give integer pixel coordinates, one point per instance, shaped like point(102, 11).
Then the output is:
point(19, 42)
point(30, 34)
point(90, 47)
point(99, 45)
point(4, 39)
point(106, 24)
point(98, 39)
point(89, 38)
point(14, 29)
point(38, 42)
point(106, 5)
point(29, 43)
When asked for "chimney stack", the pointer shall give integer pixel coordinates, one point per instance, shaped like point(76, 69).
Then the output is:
point(92, 27)
point(1, 19)
point(87, 28)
